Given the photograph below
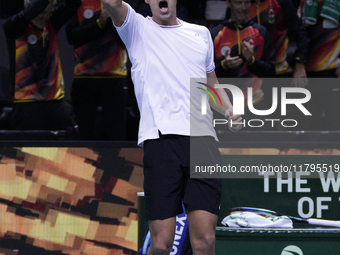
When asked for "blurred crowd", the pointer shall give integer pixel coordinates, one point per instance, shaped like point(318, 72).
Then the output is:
point(258, 40)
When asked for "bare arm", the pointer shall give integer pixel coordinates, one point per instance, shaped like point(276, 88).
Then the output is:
point(226, 109)
point(300, 76)
point(226, 104)
point(117, 9)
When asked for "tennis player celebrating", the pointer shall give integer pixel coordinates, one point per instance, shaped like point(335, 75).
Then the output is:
point(165, 53)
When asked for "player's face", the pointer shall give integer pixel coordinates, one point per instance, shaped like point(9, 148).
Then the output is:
point(239, 10)
point(163, 11)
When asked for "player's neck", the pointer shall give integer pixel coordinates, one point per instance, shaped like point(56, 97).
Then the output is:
point(169, 22)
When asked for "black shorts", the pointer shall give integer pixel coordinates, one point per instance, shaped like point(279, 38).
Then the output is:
point(167, 182)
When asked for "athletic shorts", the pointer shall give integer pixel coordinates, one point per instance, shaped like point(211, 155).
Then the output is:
point(167, 182)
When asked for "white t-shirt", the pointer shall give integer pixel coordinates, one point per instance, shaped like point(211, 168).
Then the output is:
point(164, 58)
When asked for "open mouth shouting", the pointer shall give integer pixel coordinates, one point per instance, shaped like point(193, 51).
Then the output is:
point(163, 6)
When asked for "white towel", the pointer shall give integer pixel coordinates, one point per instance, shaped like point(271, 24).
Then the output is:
point(254, 220)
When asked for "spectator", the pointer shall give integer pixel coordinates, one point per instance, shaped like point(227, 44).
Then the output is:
point(35, 66)
point(282, 22)
point(280, 18)
point(99, 73)
point(244, 49)
point(323, 62)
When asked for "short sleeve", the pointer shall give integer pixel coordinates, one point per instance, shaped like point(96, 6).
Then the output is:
point(131, 28)
point(210, 64)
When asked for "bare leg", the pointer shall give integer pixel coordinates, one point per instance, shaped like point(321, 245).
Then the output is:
point(202, 227)
point(162, 236)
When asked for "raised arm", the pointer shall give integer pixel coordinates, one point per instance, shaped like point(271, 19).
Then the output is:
point(226, 104)
point(15, 26)
point(117, 9)
point(226, 109)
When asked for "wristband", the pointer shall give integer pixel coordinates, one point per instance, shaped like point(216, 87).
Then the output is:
point(252, 61)
point(224, 67)
point(99, 25)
